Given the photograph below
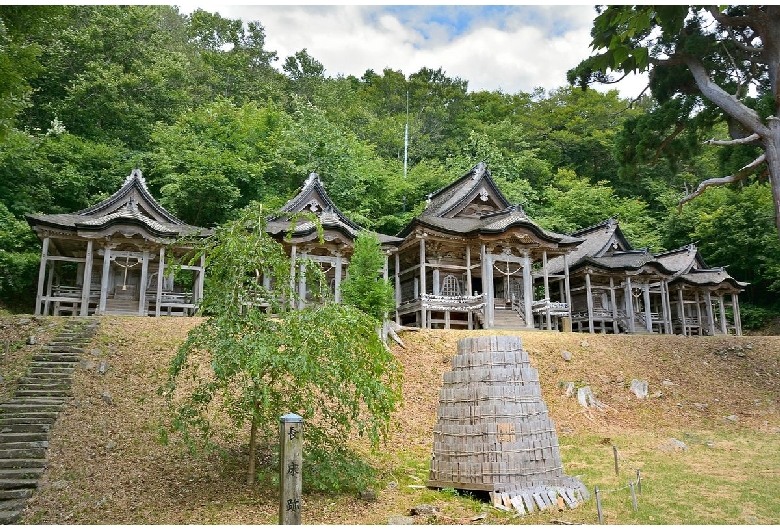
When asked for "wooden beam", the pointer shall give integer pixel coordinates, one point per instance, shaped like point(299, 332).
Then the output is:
point(42, 275)
point(104, 279)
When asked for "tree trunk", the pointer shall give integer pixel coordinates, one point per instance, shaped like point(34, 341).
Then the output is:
point(250, 477)
point(772, 151)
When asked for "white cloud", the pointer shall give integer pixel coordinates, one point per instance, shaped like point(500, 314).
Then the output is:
point(508, 48)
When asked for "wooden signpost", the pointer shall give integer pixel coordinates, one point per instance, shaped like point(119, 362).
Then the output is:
point(290, 462)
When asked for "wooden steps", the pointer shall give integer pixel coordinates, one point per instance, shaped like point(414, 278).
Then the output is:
point(26, 418)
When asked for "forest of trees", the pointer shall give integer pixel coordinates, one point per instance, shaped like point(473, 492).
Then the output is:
point(215, 120)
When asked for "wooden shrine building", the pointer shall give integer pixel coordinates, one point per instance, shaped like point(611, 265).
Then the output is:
point(110, 258)
point(469, 260)
point(333, 253)
point(618, 289)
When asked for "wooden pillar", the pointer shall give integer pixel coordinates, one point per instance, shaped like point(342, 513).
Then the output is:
point(589, 295)
point(710, 312)
point(567, 281)
point(160, 272)
point(682, 311)
point(528, 290)
point(142, 287)
point(648, 315)
point(664, 307)
point(698, 313)
point(293, 251)
point(630, 306)
point(302, 281)
point(737, 314)
point(42, 275)
point(468, 274)
point(49, 283)
point(202, 279)
point(423, 290)
point(722, 309)
point(613, 302)
point(104, 279)
point(87, 281)
point(337, 282)
point(488, 289)
point(397, 287)
point(436, 281)
point(546, 288)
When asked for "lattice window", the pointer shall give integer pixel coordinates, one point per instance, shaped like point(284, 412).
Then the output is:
point(450, 286)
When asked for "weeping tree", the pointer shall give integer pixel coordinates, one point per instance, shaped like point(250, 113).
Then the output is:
point(719, 60)
point(254, 359)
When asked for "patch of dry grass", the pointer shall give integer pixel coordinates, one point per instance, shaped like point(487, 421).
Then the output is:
point(107, 467)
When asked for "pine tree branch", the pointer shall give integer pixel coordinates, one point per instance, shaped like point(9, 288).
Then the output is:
point(720, 181)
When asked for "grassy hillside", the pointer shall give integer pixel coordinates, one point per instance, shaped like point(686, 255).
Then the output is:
point(107, 467)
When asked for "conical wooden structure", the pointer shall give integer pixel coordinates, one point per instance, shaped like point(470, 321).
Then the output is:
point(493, 432)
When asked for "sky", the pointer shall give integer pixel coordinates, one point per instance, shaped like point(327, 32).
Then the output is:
point(509, 48)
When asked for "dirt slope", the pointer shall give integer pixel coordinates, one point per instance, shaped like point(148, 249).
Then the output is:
point(106, 465)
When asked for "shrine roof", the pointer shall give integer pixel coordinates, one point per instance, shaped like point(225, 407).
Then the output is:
point(683, 259)
point(597, 240)
point(132, 204)
point(312, 198)
point(492, 223)
point(715, 277)
point(445, 201)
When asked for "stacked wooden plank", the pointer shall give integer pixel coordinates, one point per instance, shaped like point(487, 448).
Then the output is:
point(493, 432)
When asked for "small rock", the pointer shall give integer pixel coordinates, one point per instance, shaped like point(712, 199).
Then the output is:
point(566, 355)
point(400, 520)
point(673, 445)
point(700, 405)
point(586, 398)
point(554, 369)
point(425, 509)
point(110, 445)
point(23, 321)
point(392, 485)
point(368, 495)
point(106, 396)
point(585, 344)
point(86, 364)
point(103, 367)
point(569, 392)
point(666, 382)
point(732, 417)
point(59, 485)
point(31, 340)
point(96, 352)
point(748, 346)
point(710, 444)
point(639, 388)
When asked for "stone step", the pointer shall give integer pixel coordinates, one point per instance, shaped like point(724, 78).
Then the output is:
point(31, 452)
point(31, 407)
point(22, 493)
point(23, 436)
point(22, 463)
point(63, 348)
point(10, 517)
point(47, 379)
point(63, 357)
point(54, 370)
point(22, 392)
point(27, 418)
point(13, 445)
point(44, 385)
point(13, 504)
point(18, 483)
point(20, 428)
point(24, 472)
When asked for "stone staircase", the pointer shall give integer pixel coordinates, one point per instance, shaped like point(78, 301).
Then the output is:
point(508, 319)
point(26, 418)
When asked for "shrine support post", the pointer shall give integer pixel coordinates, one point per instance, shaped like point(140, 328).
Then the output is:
point(290, 462)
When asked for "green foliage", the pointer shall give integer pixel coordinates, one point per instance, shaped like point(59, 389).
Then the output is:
point(571, 202)
point(754, 317)
point(364, 287)
point(19, 260)
point(325, 362)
